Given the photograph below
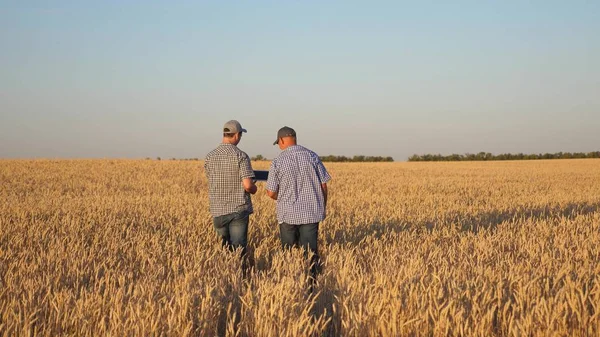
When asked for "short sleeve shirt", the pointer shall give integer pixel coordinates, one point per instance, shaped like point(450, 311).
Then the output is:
point(296, 174)
point(226, 167)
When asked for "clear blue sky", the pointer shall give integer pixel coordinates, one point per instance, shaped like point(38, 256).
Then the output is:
point(135, 79)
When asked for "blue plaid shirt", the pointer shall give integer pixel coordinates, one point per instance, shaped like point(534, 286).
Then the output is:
point(296, 174)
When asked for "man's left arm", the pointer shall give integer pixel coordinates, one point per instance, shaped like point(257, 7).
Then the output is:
point(272, 195)
point(324, 189)
point(272, 181)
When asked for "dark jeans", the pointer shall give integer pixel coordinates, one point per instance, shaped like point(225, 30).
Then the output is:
point(233, 230)
point(304, 236)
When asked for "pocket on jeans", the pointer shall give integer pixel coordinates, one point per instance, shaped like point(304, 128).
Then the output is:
point(242, 215)
point(219, 222)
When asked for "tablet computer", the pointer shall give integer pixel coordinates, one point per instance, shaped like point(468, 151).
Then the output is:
point(261, 175)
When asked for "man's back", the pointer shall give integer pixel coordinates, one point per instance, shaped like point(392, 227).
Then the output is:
point(226, 167)
point(297, 174)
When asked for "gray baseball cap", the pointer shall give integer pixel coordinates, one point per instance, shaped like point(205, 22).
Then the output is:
point(285, 131)
point(233, 126)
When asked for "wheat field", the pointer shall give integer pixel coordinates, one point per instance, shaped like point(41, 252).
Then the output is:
point(127, 248)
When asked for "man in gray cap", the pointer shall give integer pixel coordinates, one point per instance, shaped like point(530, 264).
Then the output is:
point(298, 181)
point(230, 183)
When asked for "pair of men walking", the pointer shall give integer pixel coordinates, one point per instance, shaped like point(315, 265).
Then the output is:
point(297, 181)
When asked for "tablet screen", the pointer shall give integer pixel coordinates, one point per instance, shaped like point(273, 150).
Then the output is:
point(261, 175)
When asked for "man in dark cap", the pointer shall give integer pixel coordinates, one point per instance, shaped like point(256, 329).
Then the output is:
point(298, 181)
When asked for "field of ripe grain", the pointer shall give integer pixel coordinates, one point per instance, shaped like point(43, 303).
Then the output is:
point(127, 248)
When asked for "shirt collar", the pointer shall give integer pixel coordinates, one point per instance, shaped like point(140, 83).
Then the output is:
point(291, 147)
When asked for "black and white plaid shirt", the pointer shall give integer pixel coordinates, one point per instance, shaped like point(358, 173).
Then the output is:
point(226, 167)
point(296, 174)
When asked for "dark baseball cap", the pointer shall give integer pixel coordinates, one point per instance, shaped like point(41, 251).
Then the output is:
point(285, 131)
point(233, 126)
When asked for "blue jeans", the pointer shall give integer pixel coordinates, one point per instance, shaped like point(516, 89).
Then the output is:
point(233, 230)
point(304, 236)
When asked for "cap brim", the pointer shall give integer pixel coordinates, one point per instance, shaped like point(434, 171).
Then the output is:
point(244, 130)
point(276, 142)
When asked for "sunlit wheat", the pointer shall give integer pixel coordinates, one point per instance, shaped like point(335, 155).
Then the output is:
point(127, 248)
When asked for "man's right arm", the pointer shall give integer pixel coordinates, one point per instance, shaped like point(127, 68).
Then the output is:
point(249, 185)
point(247, 173)
point(324, 189)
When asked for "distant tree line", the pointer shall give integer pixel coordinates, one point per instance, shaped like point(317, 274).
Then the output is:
point(483, 156)
point(173, 158)
point(329, 158)
point(356, 159)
